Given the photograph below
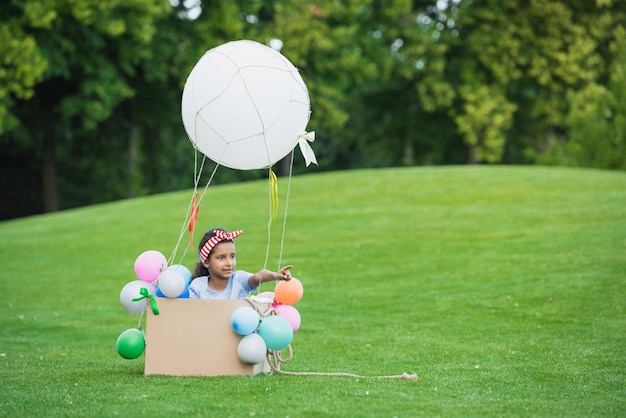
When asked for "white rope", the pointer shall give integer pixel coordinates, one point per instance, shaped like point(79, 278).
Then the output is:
point(274, 357)
point(269, 227)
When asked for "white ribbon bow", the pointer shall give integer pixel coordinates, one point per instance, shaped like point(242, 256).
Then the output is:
point(307, 152)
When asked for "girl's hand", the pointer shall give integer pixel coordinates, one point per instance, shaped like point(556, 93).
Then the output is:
point(284, 273)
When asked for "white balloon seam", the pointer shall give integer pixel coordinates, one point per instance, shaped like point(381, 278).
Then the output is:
point(252, 100)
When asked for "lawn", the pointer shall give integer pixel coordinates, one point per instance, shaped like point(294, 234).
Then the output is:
point(502, 288)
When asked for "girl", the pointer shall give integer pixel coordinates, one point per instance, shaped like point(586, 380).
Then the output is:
point(215, 276)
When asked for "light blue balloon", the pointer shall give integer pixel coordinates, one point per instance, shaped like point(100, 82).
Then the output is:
point(276, 331)
point(244, 320)
point(183, 271)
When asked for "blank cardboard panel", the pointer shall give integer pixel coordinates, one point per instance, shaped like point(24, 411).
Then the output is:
point(194, 337)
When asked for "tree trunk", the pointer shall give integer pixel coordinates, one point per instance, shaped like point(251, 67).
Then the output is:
point(49, 174)
point(133, 152)
point(471, 156)
point(408, 156)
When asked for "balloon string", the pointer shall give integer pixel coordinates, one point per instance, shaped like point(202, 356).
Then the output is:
point(272, 185)
point(190, 209)
point(196, 179)
point(195, 208)
point(273, 213)
point(269, 311)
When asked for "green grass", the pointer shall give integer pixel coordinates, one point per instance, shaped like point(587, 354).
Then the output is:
point(503, 288)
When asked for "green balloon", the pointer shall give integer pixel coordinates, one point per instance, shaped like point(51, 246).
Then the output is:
point(131, 343)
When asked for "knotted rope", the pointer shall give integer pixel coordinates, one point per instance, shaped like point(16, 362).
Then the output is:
point(275, 357)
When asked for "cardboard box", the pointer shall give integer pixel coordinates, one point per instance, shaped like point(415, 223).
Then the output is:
point(194, 337)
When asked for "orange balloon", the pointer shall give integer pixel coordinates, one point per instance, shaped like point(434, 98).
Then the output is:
point(288, 292)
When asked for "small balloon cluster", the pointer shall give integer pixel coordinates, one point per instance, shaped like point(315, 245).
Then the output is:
point(155, 278)
point(273, 332)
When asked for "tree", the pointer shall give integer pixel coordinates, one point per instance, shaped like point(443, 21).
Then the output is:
point(354, 56)
point(596, 120)
point(87, 52)
point(517, 66)
point(90, 91)
point(93, 93)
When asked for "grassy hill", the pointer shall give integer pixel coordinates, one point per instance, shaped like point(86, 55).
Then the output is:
point(503, 288)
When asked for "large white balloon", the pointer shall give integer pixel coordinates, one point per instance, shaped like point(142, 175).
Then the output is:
point(244, 105)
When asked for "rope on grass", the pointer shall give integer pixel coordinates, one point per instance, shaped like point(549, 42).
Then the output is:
point(274, 358)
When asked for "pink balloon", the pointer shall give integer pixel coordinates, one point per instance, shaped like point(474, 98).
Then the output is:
point(149, 265)
point(266, 295)
point(291, 314)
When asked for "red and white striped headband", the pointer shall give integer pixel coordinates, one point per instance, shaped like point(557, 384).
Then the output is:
point(216, 239)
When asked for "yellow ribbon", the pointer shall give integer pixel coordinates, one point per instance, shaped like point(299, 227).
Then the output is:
point(273, 196)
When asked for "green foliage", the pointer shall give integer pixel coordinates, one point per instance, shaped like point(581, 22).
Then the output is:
point(391, 83)
point(518, 59)
point(597, 120)
point(104, 109)
point(484, 121)
point(503, 288)
point(21, 67)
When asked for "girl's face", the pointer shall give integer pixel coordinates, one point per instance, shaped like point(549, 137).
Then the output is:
point(222, 261)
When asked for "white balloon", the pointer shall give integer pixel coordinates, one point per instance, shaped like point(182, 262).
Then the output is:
point(183, 271)
point(132, 291)
point(251, 349)
point(171, 283)
point(244, 104)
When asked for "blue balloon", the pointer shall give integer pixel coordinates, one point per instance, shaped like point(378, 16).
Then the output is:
point(244, 320)
point(158, 293)
point(276, 331)
point(185, 294)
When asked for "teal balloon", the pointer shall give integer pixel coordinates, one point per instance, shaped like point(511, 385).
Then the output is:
point(276, 331)
point(131, 343)
point(244, 320)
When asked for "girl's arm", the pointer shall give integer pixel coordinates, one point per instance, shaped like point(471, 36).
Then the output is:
point(264, 276)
